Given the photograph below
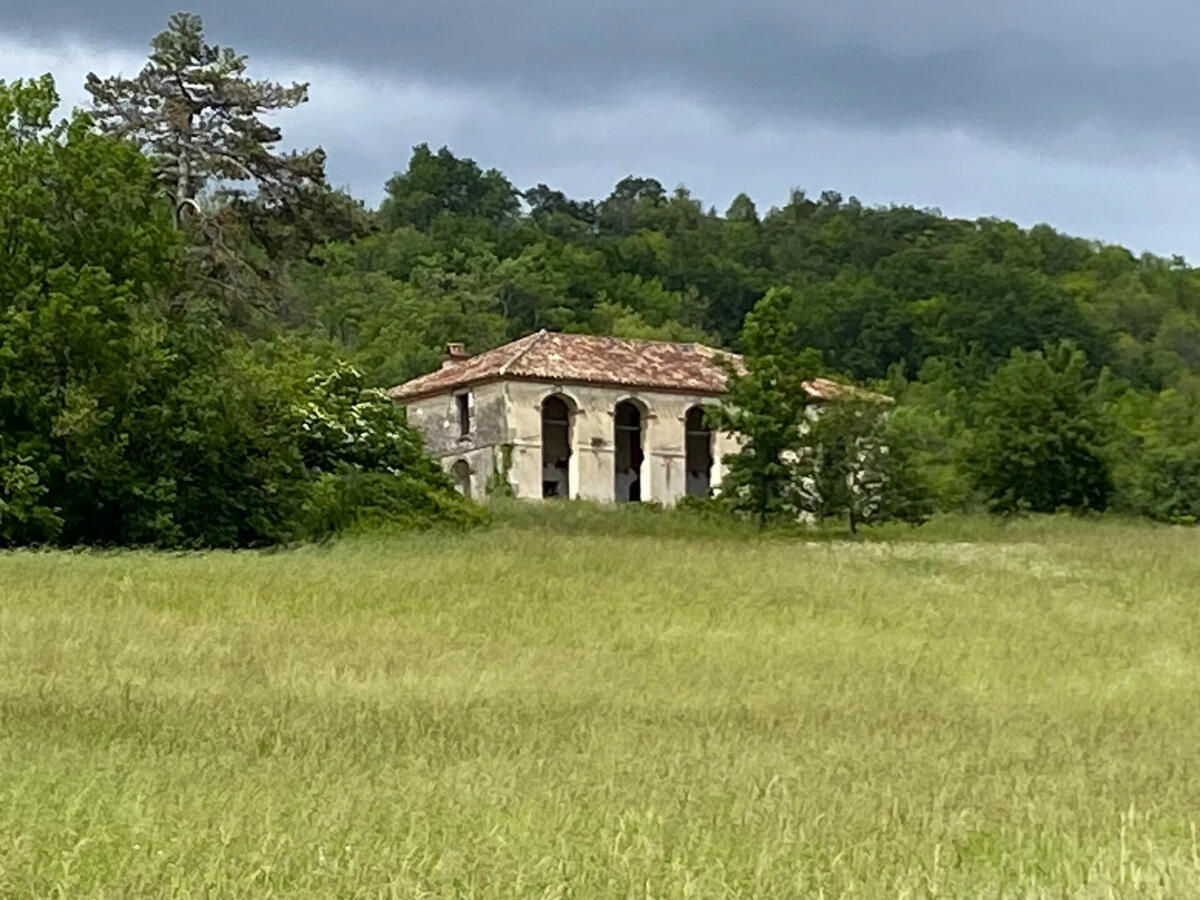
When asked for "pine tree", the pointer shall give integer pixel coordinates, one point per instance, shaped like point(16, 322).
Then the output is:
point(199, 118)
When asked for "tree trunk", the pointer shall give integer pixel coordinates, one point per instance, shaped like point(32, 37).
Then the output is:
point(183, 177)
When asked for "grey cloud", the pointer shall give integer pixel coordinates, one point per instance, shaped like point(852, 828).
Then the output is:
point(368, 122)
point(1020, 71)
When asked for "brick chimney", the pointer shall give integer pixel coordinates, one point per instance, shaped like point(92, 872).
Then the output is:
point(455, 354)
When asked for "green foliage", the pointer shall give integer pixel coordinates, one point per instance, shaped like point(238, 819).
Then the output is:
point(1157, 464)
point(908, 491)
point(1166, 484)
point(82, 357)
point(442, 185)
point(931, 305)
point(873, 289)
point(499, 483)
point(129, 418)
point(246, 207)
point(368, 464)
point(1039, 434)
point(926, 431)
point(859, 324)
point(25, 516)
point(854, 464)
point(765, 408)
point(801, 459)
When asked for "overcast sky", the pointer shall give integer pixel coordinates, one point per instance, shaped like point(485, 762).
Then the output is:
point(1085, 115)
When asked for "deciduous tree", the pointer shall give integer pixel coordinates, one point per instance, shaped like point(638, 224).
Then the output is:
point(765, 409)
point(437, 184)
point(854, 465)
point(1039, 434)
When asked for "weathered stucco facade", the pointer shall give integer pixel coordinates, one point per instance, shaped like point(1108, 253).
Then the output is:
point(622, 421)
point(508, 447)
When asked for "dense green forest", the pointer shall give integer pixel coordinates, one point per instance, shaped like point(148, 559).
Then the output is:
point(193, 321)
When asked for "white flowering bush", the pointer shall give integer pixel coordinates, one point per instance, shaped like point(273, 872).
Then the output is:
point(368, 466)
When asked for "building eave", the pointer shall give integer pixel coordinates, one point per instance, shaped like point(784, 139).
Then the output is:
point(450, 390)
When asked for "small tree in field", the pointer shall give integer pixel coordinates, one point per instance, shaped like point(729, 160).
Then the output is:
point(764, 408)
point(855, 465)
point(1039, 434)
point(838, 470)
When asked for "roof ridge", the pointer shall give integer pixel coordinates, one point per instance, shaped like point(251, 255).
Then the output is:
point(529, 346)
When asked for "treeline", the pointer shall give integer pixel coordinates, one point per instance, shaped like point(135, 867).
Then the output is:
point(1032, 370)
point(194, 326)
point(141, 400)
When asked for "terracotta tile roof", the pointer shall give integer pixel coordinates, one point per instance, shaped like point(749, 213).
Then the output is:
point(593, 359)
point(825, 389)
point(583, 358)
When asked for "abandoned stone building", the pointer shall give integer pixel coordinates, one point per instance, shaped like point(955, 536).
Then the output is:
point(575, 416)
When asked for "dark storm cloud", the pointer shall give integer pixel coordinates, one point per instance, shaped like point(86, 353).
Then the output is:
point(1019, 70)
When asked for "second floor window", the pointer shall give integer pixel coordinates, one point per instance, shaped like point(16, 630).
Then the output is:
point(464, 414)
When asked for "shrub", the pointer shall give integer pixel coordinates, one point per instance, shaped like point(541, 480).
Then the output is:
point(1166, 484)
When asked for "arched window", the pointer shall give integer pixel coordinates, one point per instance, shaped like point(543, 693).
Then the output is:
point(461, 473)
point(628, 425)
point(556, 447)
point(698, 453)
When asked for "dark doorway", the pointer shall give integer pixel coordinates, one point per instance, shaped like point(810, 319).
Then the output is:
point(461, 473)
point(556, 448)
point(627, 442)
point(698, 453)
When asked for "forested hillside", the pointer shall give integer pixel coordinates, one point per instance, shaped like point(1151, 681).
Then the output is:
point(931, 308)
point(462, 253)
point(167, 290)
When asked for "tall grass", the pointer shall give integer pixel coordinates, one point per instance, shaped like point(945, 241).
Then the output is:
point(591, 704)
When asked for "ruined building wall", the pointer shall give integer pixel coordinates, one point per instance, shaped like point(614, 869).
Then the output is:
point(505, 443)
point(481, 447)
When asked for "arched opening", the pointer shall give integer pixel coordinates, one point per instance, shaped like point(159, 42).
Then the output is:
point(461, 473)
point(556, 447)
point(627, 442)
point(698, 453)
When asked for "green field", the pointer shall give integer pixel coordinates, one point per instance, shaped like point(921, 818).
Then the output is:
point(576, 704)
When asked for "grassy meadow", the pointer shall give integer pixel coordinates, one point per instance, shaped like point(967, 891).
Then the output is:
point(581, 704)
